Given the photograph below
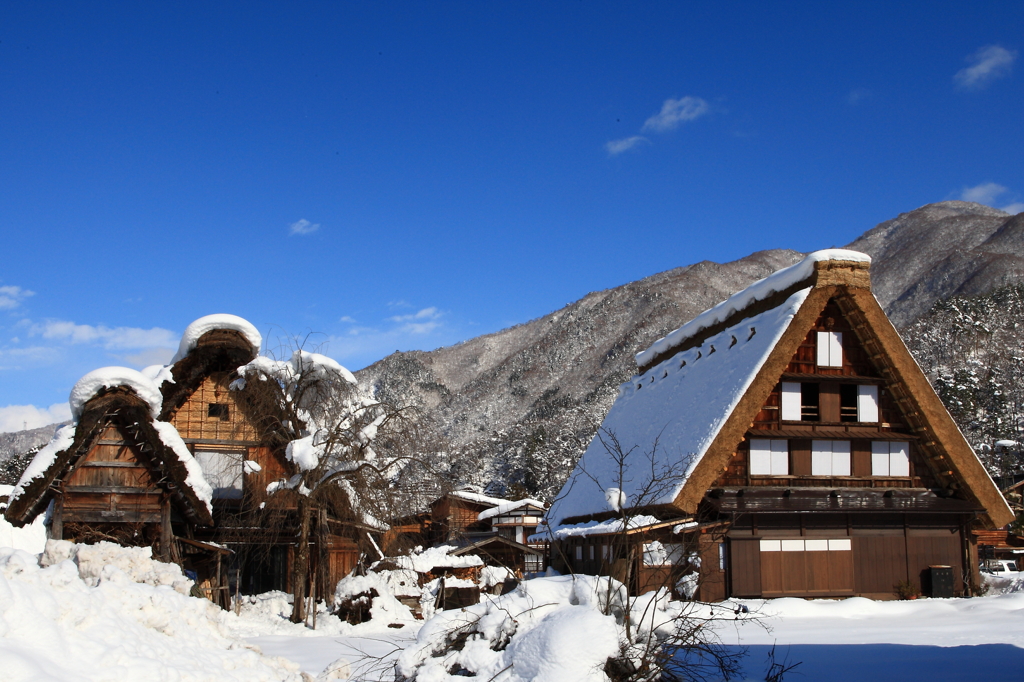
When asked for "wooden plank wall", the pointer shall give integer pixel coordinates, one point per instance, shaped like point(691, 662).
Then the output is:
point(193, 419)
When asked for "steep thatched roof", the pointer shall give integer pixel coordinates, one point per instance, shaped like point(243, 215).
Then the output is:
point(122, 408)
point(219, 350)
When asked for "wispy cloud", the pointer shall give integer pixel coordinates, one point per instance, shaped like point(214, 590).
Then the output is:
point(422, 322)
point(676, 111)
point(19, 417)
point(987, 193)
point(616, 147)
point(986, 65)
point(858, 95)
point(303, 226)
point(346, 318)
point(111, 338)
point(984, 193)
point(11, 297)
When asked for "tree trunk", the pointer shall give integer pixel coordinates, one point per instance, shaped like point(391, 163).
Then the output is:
point(300, 568)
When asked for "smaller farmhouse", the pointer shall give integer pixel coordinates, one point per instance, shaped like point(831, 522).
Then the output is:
point(782, 443)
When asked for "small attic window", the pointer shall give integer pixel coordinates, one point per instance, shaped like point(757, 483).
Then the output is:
point(218, 411)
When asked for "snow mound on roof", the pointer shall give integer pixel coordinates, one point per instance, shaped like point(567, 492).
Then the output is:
point(426, 560)
point(665, 420)
point(506, 507)
point(758, 291)
point(60, 442)
point(194, 331)
point(194, 478)
point(110, 377)
point(57, 625)
point(477, 497)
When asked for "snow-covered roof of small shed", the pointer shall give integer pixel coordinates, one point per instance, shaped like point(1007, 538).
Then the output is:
point(758, 291)
point(210, 323)
point(507, 507)
point(681, 405)
point(111, 377)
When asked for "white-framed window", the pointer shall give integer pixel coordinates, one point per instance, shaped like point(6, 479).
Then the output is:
point(222, 469)
point(591, 552)
point(867, 403)
point(790, 401)
point(890, 458)
point(807, 545)
point(579, 552)
point(769, 457)
point(830, 349)
point(604, 552)
point(830, 458)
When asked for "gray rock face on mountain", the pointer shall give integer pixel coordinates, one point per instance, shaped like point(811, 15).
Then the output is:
point(496, 398)
point(19, 442)
point(941, 250)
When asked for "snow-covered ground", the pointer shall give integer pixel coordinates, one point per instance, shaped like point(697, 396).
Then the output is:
point(107, 613)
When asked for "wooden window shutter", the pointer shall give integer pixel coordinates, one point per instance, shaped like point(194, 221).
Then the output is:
point(790, 401)
point(867, 403)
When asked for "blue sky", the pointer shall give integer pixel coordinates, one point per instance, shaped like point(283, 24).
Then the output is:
point(408, 175)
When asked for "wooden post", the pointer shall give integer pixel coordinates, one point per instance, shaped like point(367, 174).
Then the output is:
point(57, 519)
point(165, 529)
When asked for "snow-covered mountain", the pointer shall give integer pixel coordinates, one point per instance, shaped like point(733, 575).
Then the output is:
point(512, 410)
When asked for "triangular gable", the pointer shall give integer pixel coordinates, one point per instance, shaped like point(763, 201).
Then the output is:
point(675, 427)
point(120, 410)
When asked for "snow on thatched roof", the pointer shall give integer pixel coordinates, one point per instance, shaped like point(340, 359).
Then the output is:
point(210, 323)
point(758, 291)
point(103, 378)
point(666, 418)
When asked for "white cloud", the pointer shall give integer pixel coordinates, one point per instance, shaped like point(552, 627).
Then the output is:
point(150, 356)
point(20, 417)
point(676, 111)
point(1014, 209)
point(117, 338)
point(616, 147)
point(986, 65)
point(984, 193)
point(430, 313)
point(346, 318)
point(11, 297)
point(858, 95)
point(303, 226)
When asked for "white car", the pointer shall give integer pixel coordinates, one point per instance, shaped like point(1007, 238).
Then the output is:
point(1001, 567)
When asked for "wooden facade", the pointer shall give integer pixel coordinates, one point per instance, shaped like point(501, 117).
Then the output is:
point(119, 481)
point(837, 473)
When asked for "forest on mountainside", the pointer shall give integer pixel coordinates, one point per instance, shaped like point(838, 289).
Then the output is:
point(972, 351)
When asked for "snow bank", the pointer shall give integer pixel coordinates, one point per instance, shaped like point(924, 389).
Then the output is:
point(194, 479)
point(31, 538)
point(758, 291)
point(110, 377)
point(135, 562)
point(60, 442)
point(558, 629)
point(194, 332)
point(56, 625)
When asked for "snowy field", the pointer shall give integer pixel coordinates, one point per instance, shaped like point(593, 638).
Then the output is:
point(107, 613)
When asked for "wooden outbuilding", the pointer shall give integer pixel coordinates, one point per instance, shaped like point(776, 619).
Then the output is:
point(783, 443)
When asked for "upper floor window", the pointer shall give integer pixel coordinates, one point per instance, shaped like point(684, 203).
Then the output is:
point(769, 457)
point(830, 349)
point(890, 458)
point(830, 458)
point(828, 402)
point(218, 411)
